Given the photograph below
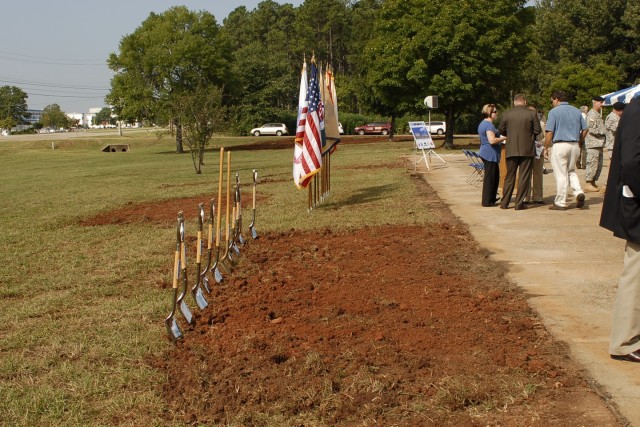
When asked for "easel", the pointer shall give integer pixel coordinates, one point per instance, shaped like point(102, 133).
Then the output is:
point(422, 140)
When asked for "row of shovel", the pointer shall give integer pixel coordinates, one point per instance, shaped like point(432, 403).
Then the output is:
point(225, 257)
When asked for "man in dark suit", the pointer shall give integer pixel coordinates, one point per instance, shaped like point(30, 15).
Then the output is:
point(621, 214)
point(520, 125)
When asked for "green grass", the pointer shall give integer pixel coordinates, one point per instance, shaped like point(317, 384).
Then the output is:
point(83, 307)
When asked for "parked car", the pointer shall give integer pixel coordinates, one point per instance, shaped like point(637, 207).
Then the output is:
point(373, 128)
point(340, 129)
point(439, 128)
point(278, 129)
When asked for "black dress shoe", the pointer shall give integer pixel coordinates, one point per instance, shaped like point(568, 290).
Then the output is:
point(521, 207)
point(634, 356)
point(503, 207)
point(539, 202)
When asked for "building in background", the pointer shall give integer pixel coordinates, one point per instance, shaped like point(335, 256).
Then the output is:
point(85, 120)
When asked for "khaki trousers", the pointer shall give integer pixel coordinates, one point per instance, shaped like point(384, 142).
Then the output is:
point(625, 330)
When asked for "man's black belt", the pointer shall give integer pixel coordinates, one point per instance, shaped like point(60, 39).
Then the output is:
point(563, 141)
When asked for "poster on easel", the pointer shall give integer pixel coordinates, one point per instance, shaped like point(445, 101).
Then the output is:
point(423, 141)
point(421, 136)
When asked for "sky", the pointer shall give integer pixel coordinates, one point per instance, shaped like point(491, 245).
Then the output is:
point(56, 51)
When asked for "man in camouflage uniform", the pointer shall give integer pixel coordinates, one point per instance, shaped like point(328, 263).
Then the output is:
point(611, 125)
point(594, 143)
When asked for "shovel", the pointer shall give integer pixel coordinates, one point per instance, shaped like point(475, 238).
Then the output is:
point(170, 322)
point(203, 275)
point(241, 239)
point(252, 228)
point(196, 291)
point(234, 230)
point(216, 271)
point(184, 308)
point(227, 246)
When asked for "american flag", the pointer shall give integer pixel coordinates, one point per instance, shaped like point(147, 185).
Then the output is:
point(302, 120)
point(313, 131)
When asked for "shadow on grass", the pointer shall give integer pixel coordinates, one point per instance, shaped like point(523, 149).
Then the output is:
point(364, 195)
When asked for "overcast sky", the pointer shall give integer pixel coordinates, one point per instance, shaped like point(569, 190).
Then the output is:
point(56, 51)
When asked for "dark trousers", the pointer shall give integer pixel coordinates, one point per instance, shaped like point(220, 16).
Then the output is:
point(490, 182)
point(525, 166)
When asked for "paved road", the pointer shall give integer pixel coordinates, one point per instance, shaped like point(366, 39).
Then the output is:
point(564, 262)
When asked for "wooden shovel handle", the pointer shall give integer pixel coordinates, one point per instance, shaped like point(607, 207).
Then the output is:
point(219, 197)
point(183, 249)
point(176, 263)
point(211, 210)
point(255, 179)
point(183, 256)
point(176, 258)
point(234, 216)
point(199, 244)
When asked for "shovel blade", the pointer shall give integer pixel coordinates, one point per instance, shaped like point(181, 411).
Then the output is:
point(235, 248)
point(186, 313)
point(205, 283)
point(200, 300)
point(173, 329)
point(241, 239)
point(217, 275)
point(254, 233)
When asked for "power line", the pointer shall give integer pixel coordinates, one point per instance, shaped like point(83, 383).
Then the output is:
point(10, 80)
point(66, 96)
point(19, 57)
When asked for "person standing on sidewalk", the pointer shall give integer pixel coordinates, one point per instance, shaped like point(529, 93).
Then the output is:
point(594, 142)
point(564, 130)
point(520, 125)
point(538, 163)
point(611, 125)
point(621, 215)
point(490, 148)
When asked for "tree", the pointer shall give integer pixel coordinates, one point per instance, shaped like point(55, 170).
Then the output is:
point(351, 90)
point(171, 55)
point(54, 117)
point(570, 32)
point(13, 107)
point(464, 52)
point(104, 116)
point(580, 82)
point(267, 61)
point(327, 38)
point(202, 113)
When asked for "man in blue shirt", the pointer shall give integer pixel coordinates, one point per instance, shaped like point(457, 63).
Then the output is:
point(566, 128)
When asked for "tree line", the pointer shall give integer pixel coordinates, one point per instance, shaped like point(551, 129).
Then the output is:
point(387, 55)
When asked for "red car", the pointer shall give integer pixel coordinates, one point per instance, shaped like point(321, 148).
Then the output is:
point(373, 128)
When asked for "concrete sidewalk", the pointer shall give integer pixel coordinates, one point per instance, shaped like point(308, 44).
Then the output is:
point(566, 264)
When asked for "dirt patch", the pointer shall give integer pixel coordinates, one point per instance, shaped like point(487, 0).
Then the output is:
point(387, 325)
point(162, 213)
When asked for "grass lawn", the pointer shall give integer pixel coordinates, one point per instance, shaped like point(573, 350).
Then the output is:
point(84, 306)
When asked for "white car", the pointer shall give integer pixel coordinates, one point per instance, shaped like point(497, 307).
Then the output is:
point(439, 128)
point(277, 129)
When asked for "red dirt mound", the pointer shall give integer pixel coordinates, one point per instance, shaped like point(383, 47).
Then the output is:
point(387, 326)
point(162, 213)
